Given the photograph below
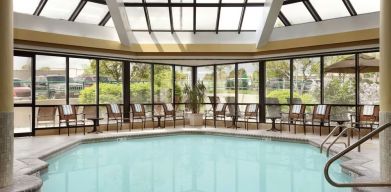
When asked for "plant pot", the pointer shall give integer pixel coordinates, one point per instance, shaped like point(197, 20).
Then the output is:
point(196, 119)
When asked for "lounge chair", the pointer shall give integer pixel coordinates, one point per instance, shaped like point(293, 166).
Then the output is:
point(68, 115)
point(250, 113)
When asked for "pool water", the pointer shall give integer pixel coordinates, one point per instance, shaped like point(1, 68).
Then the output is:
point(191, 163)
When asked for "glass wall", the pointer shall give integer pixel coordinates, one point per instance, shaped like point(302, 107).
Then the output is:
point(306, 80)
point(248, 82)
point(369, 78)
point(163, 80)
point(206, 75)
point(183, 76)
point(339, 79)
point(50, 80)
point(225, 83)
point(110, 81)
point(140, 83)
point(277, 83)
point(82, 81)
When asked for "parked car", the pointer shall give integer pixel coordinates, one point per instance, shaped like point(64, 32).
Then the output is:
point(54, 87)
point(21, 90)
point(88, 81)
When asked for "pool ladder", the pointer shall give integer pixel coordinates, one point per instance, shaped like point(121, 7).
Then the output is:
point(346, 131)
point(347, 150)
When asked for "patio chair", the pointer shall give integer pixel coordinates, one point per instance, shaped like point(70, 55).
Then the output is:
point(214, 101)
point(368, 118)
point(68, 115)
point(138, 113)
point(296, 115)
point(219, 112)
point(320, 116)
point(114, 113)
point(46, 115)
point(250, 113)
point(170, 112)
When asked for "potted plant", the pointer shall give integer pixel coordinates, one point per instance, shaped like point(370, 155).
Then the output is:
point(195, 98)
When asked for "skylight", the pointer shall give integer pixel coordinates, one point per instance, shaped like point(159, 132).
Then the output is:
point(59, 9)
point(297, 13)
point(27, 7)
point(92, 13)
point(366, 6)
point(330, 9)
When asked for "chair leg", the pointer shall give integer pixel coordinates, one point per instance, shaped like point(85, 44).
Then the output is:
point(289, 126)
point(295, 127)
point(107, 124)
point(320, 129)
point(131, 127)
point(174, 122)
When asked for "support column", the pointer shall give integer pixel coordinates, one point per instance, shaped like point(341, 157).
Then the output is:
point(385, 88)
point(6, 93)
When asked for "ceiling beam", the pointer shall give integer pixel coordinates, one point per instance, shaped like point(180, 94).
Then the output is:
point(121, 23)
point(194, 17)
point(77, 11)
point(40, 7)
point(350, 7)
point(147, 17)
point(284, 19)
point(105, 19)
point(171, 19)
point(242, 16)
point(265, 28)
point(312, 10)
point(218, 17)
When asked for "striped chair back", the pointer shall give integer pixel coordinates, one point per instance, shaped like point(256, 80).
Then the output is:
point(113, 111)
point(251, 110)
point(321, 109)
point(115, 108)
point(368, 110)
point(296, 109)
point(138, 110)
point(67, 110)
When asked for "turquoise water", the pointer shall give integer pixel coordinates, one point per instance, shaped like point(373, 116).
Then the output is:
point(190, 163)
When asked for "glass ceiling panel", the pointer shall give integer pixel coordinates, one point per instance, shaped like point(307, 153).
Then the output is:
point(110, 23)
point(132, 1)
point(279, 23)
point(256, 1)
point(136, 18)
point(206, 18)
point(182, 18)
point(207, 1)
point(159, 17)
point(59, 9)
point(27, 7)
point(157, 1)
point(252, 18)
point(182, 1)
point(229, 18)
point(233, 1)
point(366, 6)
point(297, 13)
point(330, 9)
point(92, 13)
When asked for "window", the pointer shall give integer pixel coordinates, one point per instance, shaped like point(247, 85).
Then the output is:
point(369, 78)
point(205, 75)
point(50, 80)
point(92, 13)
point(22, 79)
point(110, 82)
point(248, 82)
point(140, 83)
point(136, 18)
point(278, 80)
point(59, 9)
point(22, 119)
point(159, 18)
point(330, 9)
point(163, 84)
point(182, 18)
point(27, 7)
point(82, 81)
point(249, 20)
point(297, 13)
point(365, 6)
point(206, 20)
point(306, 80)
point(225, 83)
point(229, 18)
point(339, 80)
point(183, 76)
point(279, 23)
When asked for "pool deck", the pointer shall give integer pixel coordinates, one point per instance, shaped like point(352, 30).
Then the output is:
point(30, 152)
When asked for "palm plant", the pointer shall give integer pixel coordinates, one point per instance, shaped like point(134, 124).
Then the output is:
point(195, 96)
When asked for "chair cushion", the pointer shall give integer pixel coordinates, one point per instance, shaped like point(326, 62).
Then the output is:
point(321, 109)
point(368, 110)
point(115, 108)
point(67, 110)
point(138, 108)
point(296, 109)
point(169, 107)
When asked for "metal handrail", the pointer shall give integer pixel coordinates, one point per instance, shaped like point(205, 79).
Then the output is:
point(328, 137)
point(347, 150)
point(339, 136)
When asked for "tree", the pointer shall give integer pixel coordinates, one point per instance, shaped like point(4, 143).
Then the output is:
point(107, 68)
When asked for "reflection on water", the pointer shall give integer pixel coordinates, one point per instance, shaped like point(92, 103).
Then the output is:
point(191, 163)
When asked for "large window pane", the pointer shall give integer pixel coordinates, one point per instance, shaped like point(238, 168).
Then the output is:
point(140, 83)
point(278, 80)
point(92, 13)
point(183, 76)
point(248, 83)
point(50, 80)
point(82, 81)
point(365, 6)
point(205, 75)
point(110, 81)
point(159, 17)
point(163, 83)
point(369, 78)
point(182, 18)
point(136, 18)
point(297, 13)
point(339, 79)
point(252, 18)
point(27, 7)
point(206, 20)
point(22, 79)
point(22, 119)
point(229, 18)
point(306, 79)
point(59, 9)
point(225, 83)
point(330, 9)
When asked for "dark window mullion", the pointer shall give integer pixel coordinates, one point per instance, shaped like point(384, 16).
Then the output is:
point(242, 16)
point(40, 7)
point(218, 17)
point(170, 12)
point(105, 19)
point(283, 19)
point(77, 11)
point(312, 10)
point(147, 17)
point(194, 17)
point(349, 7)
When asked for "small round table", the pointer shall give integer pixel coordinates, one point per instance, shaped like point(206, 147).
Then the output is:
point(341, 125)
point(273, 123)
point(95, 120)
point(159, 117)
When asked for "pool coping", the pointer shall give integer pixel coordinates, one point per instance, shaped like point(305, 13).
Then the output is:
point(28, 170)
